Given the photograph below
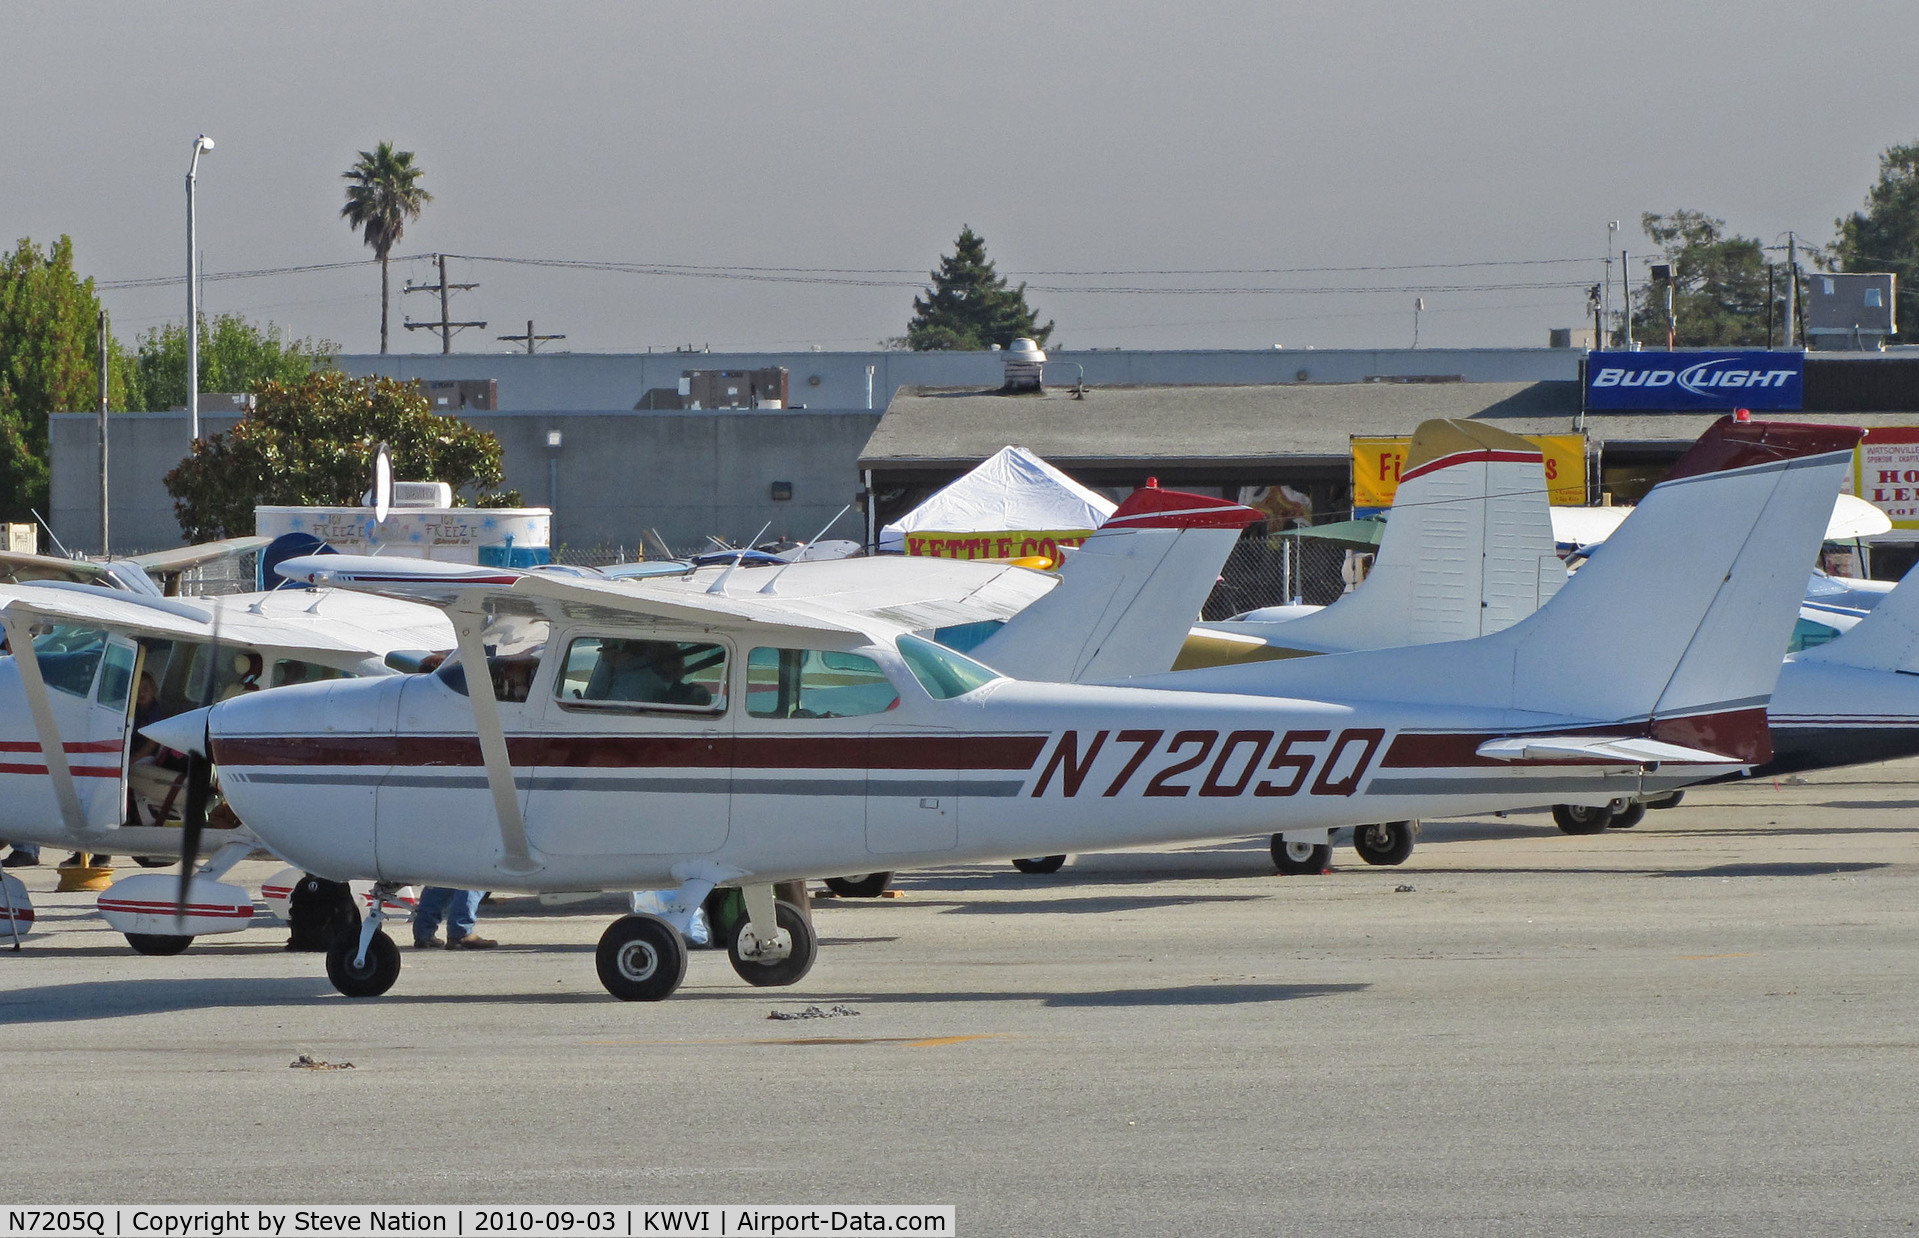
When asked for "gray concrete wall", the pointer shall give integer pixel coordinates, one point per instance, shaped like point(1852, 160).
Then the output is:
point(609, 381)
point(686, 474)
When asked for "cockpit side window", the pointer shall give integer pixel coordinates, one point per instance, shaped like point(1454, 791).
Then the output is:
point(68, 656)
point(632, 673)
point(816, 683)
point(116, 681)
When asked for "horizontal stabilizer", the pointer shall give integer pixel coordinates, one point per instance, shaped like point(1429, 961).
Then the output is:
point(1588, 749)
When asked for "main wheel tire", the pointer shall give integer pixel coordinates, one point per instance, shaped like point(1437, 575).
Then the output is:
point(159, 944)
point(641, 959)
point(860, 885)
point(1581, 818)
point(367, 979)
point(789, 970)
point(1040, 864)
point(1296, 857)
point(1389, 842)
point(1667, 801)
point(1631, 816)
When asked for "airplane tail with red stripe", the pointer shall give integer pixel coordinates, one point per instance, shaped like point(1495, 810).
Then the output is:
point(1676, 625)
point(1127, 598)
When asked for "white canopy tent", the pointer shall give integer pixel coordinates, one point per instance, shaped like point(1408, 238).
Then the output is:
point(1011, 492)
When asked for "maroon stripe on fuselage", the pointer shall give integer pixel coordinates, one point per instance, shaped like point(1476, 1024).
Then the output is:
point(973, 752)
point(1737, 733)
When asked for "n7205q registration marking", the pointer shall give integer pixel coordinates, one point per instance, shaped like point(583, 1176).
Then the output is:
point(1205, 763)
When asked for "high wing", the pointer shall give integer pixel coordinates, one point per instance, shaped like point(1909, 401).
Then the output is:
point(167, 565)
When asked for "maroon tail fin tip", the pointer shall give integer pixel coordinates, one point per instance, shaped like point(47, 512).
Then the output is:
point(1732, 444)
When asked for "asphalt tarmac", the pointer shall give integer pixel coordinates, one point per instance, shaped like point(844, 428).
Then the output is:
point(1705, 1025)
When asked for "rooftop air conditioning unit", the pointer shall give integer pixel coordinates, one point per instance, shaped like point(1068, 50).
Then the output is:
point(416, 494)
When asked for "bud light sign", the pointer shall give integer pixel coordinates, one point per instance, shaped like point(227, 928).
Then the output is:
point(1695, 381)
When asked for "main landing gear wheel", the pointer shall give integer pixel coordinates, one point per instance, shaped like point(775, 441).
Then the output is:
point(782, 972)
point(1627, 817)
point(1040, 864)
point(1297, 857)
point(370, 978)
point(641, 959)
point(1581, 818)
point(160, 944)
point(1389, 842)
point(1671, 800)
point(860, 885)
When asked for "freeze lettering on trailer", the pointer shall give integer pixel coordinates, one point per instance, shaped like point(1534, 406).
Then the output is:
point(1207, 764)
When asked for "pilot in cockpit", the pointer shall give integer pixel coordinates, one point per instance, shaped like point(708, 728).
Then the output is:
point(644, 672)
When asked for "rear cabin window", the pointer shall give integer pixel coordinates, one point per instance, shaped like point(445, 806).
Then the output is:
point(1807, 634)
point(815, 683)
point(68, 656)
point(943, 673)
point(625, 673)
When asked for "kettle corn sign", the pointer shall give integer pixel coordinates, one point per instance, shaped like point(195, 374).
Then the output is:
point(1377, 461)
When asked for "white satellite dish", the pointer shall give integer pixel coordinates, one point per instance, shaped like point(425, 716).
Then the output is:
point(382, 484)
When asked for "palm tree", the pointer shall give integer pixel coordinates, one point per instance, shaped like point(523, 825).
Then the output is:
point(385, 193)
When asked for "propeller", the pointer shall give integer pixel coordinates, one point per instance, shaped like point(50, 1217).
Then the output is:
point(193, 814)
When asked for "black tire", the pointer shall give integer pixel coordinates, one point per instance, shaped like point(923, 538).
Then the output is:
point(1389, 842)
point(1297, 859)
point(861, 885)
point(155, 861)
point(1667, 801)
point(1581, 819)
point(158, 944)
point(1040, 864)
point(369, 979)
point(1631, 816)
point(789, 970)
point(641, 959)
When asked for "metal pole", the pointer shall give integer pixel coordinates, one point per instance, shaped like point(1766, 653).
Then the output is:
point(529, 329)
point(104, 541)
point(869, 386)
point(193, 307)
point(1771, 294)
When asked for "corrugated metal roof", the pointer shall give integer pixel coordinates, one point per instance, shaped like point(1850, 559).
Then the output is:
point(1290, 423)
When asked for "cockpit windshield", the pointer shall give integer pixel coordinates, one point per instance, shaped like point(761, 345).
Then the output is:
point(513, 650)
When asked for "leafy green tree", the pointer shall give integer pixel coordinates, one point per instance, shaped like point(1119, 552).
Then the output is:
point(235, 355)
point(384, 194)
point(970, 306)
point(311, 443)
point(1885, 236)
point(49, 350)
point(1719, 284)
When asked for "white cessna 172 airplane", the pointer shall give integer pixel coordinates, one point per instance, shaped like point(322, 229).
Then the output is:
point(67, 714)
point(638, 734)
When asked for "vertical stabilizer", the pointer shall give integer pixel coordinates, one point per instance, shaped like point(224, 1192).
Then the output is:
point(1128, 596)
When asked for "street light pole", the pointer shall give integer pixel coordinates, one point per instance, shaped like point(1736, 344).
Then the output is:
point(201, 143)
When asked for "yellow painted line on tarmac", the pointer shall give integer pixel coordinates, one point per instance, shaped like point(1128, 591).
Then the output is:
point(1714, 956)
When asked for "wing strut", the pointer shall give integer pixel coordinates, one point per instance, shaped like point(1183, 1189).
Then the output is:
point(20, 641)
point(518, 857)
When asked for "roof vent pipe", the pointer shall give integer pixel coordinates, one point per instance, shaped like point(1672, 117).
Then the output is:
point(1025, 365)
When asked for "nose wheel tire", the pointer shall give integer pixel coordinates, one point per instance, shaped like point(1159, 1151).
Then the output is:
point(158, 943)
point(1581, 818)
point(1633, 814)
point(641, 959)
point(1389, 842)
point(1040, 864)
point(860, 885)
point(789, 970)
point(1296, 857)
point(369, 978)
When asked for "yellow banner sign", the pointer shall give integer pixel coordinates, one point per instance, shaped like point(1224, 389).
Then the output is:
point(1011, 545)
point(1377, 461)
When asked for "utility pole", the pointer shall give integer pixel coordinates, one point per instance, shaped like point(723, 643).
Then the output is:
point(1792, 285)
point(530, 338)
point(446, 327)
point(1625, 287)
point(1594, 300)
point(103, 434)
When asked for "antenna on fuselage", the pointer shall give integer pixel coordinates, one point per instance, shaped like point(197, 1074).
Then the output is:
point(768, 586)
point(719, 586)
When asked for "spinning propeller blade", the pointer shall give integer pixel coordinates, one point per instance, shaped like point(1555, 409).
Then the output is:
point(193, 814)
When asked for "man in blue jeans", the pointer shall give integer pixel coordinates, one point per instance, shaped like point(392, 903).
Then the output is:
point(460, 908)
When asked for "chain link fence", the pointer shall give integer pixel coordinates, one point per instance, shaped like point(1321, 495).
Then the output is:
point(1279, 571)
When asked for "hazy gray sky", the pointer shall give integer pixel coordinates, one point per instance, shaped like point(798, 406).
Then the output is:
point(1076, 137)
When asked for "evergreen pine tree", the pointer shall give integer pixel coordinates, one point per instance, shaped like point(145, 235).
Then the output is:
point(969, 305)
